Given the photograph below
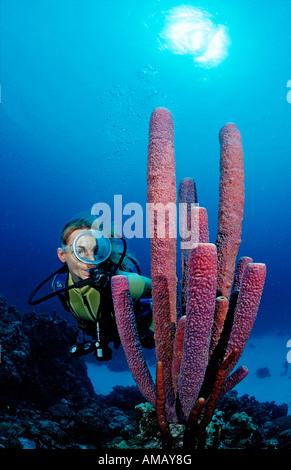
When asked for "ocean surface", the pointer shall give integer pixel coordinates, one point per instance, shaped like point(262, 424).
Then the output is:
point(79, 81)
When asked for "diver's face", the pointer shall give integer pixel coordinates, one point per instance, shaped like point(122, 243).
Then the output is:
point(79, 271)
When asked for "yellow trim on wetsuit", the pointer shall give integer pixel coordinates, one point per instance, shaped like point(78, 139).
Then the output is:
point(85, 301)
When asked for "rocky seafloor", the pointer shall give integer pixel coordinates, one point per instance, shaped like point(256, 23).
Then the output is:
point(47, 400)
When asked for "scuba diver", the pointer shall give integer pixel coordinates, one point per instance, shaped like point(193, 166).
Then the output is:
point(83, 286)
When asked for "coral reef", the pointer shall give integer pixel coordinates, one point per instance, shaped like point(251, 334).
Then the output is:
point(196, 354)
point(240, 422)
point(47, 402)
point(36, 364)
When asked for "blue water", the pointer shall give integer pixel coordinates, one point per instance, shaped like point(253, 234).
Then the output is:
point(79, 80)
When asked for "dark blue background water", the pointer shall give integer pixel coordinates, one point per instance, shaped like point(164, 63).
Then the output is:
point(79, 82)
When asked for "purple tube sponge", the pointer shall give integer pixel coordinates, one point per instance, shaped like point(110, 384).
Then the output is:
point(127, 330)
point(248, 301)
point(199, 319)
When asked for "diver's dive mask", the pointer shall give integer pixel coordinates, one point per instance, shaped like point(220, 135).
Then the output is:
point(90, 247)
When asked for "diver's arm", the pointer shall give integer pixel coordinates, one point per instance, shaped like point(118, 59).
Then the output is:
point(147, 292)
point(139, 286)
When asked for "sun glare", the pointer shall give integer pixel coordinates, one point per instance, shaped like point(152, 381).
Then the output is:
point(190, 30)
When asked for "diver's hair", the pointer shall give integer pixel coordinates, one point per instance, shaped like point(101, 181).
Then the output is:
point(86, 223)
point(76, 224)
